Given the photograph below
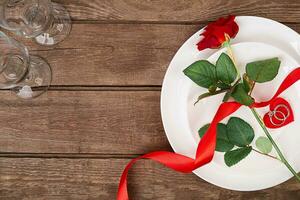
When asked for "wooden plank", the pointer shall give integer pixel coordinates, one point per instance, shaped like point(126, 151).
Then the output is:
point(115, 54)
point(178, 11)
point(105, 122)
point(80, 179)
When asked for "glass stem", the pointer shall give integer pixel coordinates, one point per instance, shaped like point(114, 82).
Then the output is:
point(282, 158)
point(50, 25)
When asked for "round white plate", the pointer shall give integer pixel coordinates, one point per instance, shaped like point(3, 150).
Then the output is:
point(258, 38)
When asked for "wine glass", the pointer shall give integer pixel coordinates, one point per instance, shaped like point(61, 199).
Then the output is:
point(27, 76)
point(47, 22)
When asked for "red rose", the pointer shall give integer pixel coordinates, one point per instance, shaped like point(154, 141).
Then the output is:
point(214, 33)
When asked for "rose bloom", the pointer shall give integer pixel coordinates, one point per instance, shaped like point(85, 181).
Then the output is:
point(214, 34)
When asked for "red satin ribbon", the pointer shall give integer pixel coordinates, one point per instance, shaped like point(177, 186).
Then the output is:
point(207, 144)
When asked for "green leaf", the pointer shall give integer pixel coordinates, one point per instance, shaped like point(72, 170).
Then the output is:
point(203, 130)
point(241, 96)
point(223, 86)
point(223, 143)
point(233, 157)
point(247, 86)
point(264, 70)
point(226, 71)
point(239, 132)
point(264, 145)
point(212, 89)
point(202, 72)
point(227, 96)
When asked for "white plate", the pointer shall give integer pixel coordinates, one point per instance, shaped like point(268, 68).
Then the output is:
point(258, 38)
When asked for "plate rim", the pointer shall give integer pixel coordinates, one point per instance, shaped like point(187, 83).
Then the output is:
point(164, 89)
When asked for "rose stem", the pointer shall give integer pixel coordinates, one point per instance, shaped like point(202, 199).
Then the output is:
point(282, 158)
point(252, 88)
point(208, 94)
point(227, 44)
point(266, 154)
point(230, 52)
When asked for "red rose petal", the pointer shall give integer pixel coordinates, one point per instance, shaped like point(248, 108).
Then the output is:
point(214, 32)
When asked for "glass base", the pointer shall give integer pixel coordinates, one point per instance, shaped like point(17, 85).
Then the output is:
point(37, 80)
point(60, 27)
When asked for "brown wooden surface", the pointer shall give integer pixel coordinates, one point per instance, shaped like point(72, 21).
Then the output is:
point(103, 106)
point(80, 179)
point(103, 122)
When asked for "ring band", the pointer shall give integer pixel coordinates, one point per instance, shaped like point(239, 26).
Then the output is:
point(275, 112)
point(281, 106)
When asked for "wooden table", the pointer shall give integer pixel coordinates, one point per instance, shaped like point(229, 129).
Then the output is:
point(103, 107)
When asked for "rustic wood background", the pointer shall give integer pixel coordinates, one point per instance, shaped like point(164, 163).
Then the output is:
point(103, 106)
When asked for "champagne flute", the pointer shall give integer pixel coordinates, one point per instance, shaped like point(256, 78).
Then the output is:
point(47, 22)
point(27, 76)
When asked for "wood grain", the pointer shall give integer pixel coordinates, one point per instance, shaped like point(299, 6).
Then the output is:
point(103, 107)
point(105, 54)
point(179, 11)
point(82, 179)
point(116, 54)
point(105, 122)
